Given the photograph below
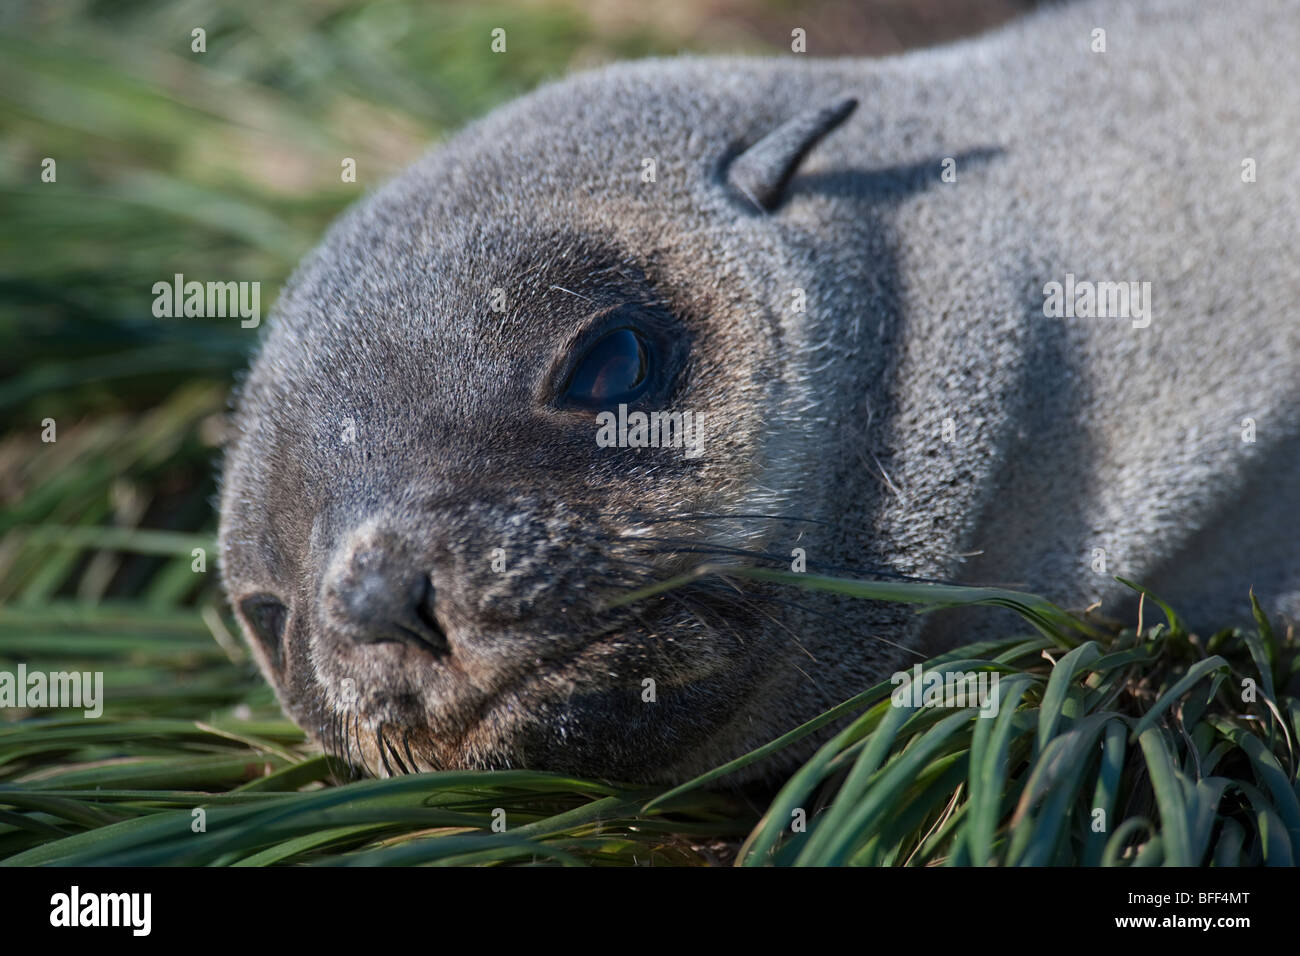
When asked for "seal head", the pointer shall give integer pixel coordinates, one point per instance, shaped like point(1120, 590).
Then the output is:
point(422, 525)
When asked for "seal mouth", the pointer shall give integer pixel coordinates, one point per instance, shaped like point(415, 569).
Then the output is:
point(501, 705)
point(529, 700)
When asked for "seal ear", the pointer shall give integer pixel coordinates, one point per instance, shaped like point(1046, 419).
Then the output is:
point(761, 172)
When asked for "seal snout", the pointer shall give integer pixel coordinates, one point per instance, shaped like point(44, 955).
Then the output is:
point(374, 594)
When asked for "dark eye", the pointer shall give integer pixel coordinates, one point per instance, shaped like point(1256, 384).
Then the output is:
point(266, 618)
point(614, 371)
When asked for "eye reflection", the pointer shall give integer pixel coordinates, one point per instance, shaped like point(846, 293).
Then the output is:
point(615, 370)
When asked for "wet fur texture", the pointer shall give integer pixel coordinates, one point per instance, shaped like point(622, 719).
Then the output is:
point(392, 416)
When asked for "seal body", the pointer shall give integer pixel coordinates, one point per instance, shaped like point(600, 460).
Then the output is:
point(421, 534)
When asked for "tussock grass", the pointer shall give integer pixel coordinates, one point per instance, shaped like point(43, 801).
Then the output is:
point(1122, 748)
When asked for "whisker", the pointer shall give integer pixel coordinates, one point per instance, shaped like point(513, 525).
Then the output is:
point(705, 516)
point(695, 547)
point(406, 745)
point(396, 759)
point(379, 745)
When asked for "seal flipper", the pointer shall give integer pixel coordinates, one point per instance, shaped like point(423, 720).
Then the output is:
point(761, 172)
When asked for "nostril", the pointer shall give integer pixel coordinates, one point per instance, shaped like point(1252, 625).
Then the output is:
point(421, 621)
point(424, 611)
point(382, 604)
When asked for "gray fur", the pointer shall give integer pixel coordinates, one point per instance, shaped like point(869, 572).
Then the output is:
point(924, 303)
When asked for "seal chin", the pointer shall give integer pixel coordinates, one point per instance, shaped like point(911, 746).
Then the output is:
point(399, 707)
point(592, 733)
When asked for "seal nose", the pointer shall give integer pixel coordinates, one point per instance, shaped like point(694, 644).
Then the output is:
point(377, 599)
point(394, 610)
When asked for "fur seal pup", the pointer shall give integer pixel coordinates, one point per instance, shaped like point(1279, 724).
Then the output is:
point(1026, 316)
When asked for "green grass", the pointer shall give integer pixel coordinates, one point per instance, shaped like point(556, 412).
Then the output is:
point(220, 165)
point(1118, 748)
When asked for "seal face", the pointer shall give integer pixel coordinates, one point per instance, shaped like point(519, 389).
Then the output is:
point(438, 483)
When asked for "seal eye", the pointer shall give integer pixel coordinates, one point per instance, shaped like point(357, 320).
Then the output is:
point(614, 371)
point(266, 618)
